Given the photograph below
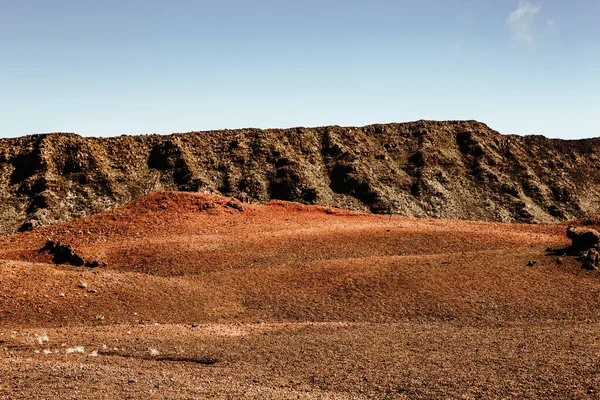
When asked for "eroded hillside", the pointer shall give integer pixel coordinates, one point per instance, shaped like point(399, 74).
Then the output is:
point(454, 169)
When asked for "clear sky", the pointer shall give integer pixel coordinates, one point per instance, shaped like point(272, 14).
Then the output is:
point(115, 67)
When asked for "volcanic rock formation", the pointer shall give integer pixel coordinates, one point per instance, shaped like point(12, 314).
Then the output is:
point(454, 169)
point(583, 238)
point(64, 254)
point(586, 245)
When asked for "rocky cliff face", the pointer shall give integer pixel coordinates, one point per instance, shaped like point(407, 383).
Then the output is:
point(453, 169)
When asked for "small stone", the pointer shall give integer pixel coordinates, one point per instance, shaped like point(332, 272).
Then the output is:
point(236, 205)
point(92, 264)
point(531, 263)
point(26, 227)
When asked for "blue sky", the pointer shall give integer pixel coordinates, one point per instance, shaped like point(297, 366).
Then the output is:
point(111, 67)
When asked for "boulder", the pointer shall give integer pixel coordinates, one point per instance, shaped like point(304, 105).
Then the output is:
point(583, 238)
point(64, 254)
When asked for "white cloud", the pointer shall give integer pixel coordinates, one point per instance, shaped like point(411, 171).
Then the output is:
point(521, 22)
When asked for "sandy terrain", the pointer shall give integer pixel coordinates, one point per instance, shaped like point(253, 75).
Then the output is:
point(201, 299)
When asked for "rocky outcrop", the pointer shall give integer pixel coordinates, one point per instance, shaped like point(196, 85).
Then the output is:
point(585, 246)
point(583, 238)
point(65, 254)
point(453, 169)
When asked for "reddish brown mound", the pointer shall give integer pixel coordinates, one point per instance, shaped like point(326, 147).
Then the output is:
point(203, 297)
point(180, 257)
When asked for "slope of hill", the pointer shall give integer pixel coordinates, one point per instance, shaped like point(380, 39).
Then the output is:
point(202, 296)
point(284, 262)
point(454, 169)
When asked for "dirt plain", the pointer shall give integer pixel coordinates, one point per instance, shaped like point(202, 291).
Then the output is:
point(202, 296)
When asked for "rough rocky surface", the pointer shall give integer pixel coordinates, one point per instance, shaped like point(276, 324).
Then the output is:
point(65, 254)
point(591, 259)
point(583, 238)
point(454, 169)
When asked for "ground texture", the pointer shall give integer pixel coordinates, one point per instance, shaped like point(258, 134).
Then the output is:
point(200, 296)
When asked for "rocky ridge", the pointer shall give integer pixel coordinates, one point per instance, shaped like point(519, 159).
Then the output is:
point(451, 169)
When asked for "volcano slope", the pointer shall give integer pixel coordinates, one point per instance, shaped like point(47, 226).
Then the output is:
point(205, 297)
point(428, 169)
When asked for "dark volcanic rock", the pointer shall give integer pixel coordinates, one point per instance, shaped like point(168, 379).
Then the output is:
point(585, 246)
point(591, 260)
point(583, 238)
point(452, 169)
point(64, 254)
point(92, 264)
point(26, 227)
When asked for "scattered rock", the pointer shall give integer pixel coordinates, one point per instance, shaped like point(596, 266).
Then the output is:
point(559, 260)
point(236, 205)
point(153, 352)
point(26, 227)
point(92, 264)
point(531, 263)
point(64, 254)
point(585, 246)
point(591, 259)
point(76, 349)
point(583, 238)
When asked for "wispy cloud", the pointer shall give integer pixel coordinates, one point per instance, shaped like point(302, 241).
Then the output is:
point(522, 22)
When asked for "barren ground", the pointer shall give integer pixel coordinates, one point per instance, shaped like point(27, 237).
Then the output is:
point(199, 299)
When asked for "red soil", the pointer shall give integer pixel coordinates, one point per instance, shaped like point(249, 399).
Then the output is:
point(371, 283)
